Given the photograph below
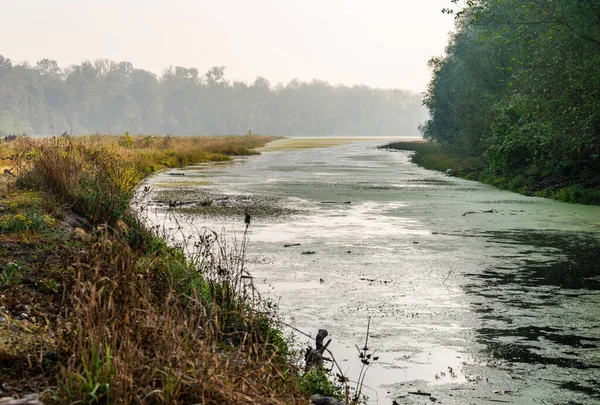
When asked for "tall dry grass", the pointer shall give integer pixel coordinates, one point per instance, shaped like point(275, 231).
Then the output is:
point(132, 337)
point(138, 321)
point(96, 176)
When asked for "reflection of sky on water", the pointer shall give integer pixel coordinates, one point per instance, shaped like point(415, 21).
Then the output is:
point(501, 288)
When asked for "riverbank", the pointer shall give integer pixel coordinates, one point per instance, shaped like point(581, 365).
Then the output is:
point(581, 189)
point(96, 308)
point(455, 275)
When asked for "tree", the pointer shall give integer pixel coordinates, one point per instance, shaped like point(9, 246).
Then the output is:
point(106, 96)
point(520, 83)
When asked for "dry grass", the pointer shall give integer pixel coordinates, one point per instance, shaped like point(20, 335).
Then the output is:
point(77, 171)
point(166, 151)
point(108, 313)
point(320, 142)
point(169, 332)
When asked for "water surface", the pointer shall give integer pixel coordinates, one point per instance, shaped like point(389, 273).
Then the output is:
point(476, 295)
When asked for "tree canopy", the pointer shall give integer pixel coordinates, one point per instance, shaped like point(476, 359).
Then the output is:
point(109, 97)
point(520, 86)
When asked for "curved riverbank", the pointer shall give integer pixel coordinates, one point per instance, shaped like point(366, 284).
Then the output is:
point(573, 189)
point(499, 287)
point(97, 308)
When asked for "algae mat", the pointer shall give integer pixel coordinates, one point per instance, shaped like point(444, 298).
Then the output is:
point(476, 295)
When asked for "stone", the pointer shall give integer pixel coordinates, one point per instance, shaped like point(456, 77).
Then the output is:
point(321, 400)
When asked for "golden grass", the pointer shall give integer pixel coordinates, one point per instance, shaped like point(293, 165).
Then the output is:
point(167, 151)
point(114, 314)
point(79, 170)
point(309, 143)
point(145, 342)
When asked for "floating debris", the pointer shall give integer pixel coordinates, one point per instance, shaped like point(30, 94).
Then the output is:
point(492, 211)
point(428, 394)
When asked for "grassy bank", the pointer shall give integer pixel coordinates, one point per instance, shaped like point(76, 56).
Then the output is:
point(95, 308)
point(583, 188)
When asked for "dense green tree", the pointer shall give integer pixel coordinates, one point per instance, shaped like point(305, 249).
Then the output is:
point(520, 85)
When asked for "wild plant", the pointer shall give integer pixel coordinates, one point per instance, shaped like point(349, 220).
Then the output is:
point(141, 321)
point(137, 335)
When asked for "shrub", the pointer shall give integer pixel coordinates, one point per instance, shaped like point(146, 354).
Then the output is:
point(139, 321)
point(516, 183)
point(577, 194)
point(144, 342)
point(316, 381)
point(32, 220)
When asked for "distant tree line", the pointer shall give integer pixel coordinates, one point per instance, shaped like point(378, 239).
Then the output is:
point(108, 97)
point(520, 87)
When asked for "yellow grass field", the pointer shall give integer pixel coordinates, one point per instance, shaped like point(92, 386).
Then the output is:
point(309, 143)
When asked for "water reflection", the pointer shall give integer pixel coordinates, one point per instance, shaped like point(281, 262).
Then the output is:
point(575, 263)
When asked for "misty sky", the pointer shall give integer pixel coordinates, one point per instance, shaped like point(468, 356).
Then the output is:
point(380, 43)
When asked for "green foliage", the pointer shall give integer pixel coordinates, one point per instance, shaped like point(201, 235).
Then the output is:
point(10, 274)
point(91, 382)
point(575, 194)
point(99, 200)
point(317, 381)
point(516, 183)
point(431, 156)
point(32, 219)
point(49, 285)
point(520, 84)
point(127, 140)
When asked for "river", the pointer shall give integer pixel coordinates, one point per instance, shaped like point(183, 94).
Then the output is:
point(475, 295)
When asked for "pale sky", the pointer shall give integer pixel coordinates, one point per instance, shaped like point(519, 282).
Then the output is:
point(380, 43)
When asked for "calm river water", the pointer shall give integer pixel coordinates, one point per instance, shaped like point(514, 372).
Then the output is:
point(475, 295)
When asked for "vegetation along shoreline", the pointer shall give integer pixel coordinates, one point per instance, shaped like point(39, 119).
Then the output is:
point(514, 101)
point(582, 189)
point(96, 308)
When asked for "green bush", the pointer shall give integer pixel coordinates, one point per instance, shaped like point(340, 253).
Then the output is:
point(10, 274)
point(577, 194)
point(316, 381)
point(516, 183)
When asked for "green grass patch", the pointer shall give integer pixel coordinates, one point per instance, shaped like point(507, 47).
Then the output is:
point(317, 381)
point(432, 155)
